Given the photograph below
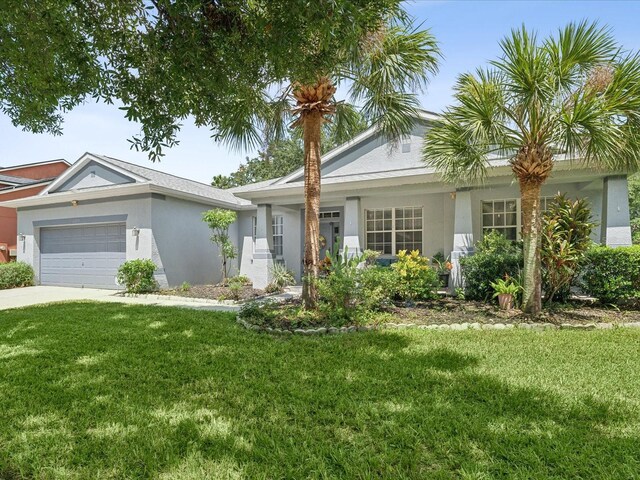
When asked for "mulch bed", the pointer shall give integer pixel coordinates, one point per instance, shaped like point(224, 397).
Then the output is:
point(215, 292)
point(449, 310)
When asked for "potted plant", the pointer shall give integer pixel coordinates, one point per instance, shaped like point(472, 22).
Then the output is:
point(443, 266)
point(506, 290)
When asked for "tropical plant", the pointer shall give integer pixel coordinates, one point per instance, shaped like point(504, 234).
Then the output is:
point(566, 231)
point(137, 276)
point(247, 70)
point(574, 94)
point(416, 279)
point(494, 257)
point(281, 277)
point(506, 286)
point(219, 220)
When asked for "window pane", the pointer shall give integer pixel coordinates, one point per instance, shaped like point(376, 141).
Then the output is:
point(512, 219)
point(370, 214)
point(498, 206)
point(511, 206)
point(378, 214)
point(417, 224)
point(387, 214)
point(498, 219)
point(487, 207)
point(399, 223)
point(510, 233)
point(387, 224)
point(399, 212)
point(487, 220)
point(417, 212)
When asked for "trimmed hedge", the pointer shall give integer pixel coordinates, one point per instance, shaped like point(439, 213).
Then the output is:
point(15, 275)
point(612, 275)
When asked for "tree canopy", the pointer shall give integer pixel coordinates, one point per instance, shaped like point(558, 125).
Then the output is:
point(166, 60)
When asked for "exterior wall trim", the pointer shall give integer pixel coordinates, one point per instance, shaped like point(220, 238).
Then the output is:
point(81, 220)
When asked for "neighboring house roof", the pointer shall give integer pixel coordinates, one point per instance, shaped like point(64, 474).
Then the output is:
point(35, 164)
point(11, 180)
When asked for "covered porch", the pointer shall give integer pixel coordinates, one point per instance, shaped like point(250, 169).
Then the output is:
point(414, 215)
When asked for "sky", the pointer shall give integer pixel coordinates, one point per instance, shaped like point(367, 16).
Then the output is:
point(468, 32)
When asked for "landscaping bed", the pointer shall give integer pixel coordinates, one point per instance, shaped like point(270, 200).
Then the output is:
point(216, 292)
point(290, 315)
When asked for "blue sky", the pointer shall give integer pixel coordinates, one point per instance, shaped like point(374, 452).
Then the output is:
point(468, 31)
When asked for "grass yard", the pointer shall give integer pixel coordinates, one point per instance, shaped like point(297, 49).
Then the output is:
point(110, 391)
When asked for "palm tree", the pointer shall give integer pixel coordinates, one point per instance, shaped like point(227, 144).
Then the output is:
point(575, 93)
point(381, 75)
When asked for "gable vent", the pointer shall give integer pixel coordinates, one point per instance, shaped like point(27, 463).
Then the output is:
point(406, 147)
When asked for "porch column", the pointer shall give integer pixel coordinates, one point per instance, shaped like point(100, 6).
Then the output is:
point(616, 225)
point(352, 226)
point(462, 234)
point(263, 253)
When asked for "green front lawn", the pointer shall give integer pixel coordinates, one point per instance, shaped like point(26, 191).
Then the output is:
point(110, 391)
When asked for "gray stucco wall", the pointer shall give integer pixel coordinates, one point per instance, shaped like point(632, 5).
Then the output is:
point(182, 242)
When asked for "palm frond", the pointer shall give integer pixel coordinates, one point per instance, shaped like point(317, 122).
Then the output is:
point(386, 79)
point(347, 121)
point(451, 149)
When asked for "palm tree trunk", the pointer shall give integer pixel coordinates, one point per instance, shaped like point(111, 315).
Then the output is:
point(311, 125)
point(531, 238)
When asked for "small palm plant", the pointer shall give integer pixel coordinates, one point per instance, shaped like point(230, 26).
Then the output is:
point(575, 94)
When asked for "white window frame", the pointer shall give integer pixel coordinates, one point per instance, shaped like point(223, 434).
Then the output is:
point(278, 221)
point(274, 220)
point(544, 200)
point(394, 231)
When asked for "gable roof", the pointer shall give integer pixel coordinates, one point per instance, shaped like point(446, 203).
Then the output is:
point(11, 180)
point(145, 180)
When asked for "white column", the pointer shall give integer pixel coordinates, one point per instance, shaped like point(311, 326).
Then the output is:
point(616, 225)
point(352, 226)
point(462, 234)
point(263, 253)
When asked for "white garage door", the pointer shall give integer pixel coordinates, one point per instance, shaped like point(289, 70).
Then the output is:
point(82, 256)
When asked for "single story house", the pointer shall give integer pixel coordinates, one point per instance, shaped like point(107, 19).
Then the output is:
point(20, 181)
point(374, 196)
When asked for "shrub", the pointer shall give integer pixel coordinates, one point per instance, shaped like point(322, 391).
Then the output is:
point(612, 275)
point(566, 231)
point(377, 286)
point(281, 277)
point(15, 275)
point(495, 257)
point(236, 284)
point(416, 279)
point(185, 287)
point(137, 276)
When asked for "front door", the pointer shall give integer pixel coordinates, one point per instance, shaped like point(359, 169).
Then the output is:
point(329, 234)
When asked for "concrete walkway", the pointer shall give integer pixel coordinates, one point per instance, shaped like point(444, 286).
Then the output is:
point(24, 297)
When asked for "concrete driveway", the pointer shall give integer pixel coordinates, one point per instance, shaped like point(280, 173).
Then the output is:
point(24, 297)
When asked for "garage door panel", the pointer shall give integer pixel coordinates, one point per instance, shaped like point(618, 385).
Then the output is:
point(87, 255)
